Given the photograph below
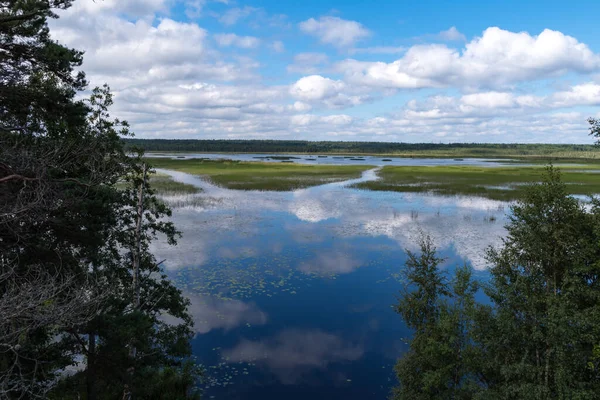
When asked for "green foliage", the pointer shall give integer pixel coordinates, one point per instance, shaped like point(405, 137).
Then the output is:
point(538, 339)
point(441, 359)
point(452, 150)
point(68, 236)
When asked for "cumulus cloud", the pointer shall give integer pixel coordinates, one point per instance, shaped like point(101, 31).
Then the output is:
point(335, 31)
point(497, 58)
point(328, 92)
point(316, 87)
point(499, 104)
point(231, 39)
point(174, 78)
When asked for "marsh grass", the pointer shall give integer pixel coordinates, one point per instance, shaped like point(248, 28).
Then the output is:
point(164, 185)
point(498, 183)
point(261, 175)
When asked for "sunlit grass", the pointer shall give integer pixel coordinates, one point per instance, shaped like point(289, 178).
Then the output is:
point(261, 176)
point(498, 183)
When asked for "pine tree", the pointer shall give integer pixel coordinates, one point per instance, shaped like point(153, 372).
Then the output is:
point(67, 234)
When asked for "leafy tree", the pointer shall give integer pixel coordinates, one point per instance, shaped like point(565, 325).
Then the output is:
point(545, 291)
point(69, 239)
point(539, 337)
point(438, 363)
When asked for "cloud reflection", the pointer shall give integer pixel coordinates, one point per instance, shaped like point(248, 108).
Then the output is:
point(294, 352)
point(210, 313)
point(330, 263)
point(466, 224)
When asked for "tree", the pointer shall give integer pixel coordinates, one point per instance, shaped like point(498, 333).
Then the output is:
point(67, 234)
point(538, 339)
point(545, 291)
point(438, 363)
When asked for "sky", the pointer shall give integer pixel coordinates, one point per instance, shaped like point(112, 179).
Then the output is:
point(493, 71)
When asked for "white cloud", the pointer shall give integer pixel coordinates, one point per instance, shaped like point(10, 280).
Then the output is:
point(301, 106)
point(316, 87)
point(335, 31)
point(498, 104)
point(583, 94)
point(132, 8)
point(114, 45)
point(308, 63)
point(498, 58)
point(231, 39)
point(278, 46)
point(171, 80)
point(488, 100)
point(451, 35)
point(378, 50)
point(338, 119)
point(234, 15)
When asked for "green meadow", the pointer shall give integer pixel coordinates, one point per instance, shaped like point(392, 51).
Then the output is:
point(499, 183)
point(261, 175)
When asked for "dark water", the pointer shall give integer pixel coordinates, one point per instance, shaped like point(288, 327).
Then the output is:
point(341, 160)
point(292, 293)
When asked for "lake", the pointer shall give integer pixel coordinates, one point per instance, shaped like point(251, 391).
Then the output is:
point(292, 293)
point(338, 159)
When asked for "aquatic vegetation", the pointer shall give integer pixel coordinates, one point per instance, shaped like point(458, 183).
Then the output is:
point(498, 183)
point(165, 185)
point(262, 176)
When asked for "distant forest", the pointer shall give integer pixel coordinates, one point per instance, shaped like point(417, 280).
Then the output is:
point(301, 146)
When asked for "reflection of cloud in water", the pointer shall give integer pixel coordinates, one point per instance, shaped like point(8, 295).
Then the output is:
point(330, 263)
point(461, 222)
point(466, 202)
point(237, 252)
point(309, 208)
point(211, 313)
point(470, 233)
point(294, 352)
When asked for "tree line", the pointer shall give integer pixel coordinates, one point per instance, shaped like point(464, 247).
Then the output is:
point(83, 302)
point(324, 147)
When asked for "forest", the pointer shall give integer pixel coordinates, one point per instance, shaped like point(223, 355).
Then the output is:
point(324, 147)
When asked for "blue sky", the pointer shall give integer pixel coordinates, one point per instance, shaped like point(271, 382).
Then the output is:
point(427, 71)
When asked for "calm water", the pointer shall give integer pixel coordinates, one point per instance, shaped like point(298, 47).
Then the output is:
point(340, 160)
point(292, 293)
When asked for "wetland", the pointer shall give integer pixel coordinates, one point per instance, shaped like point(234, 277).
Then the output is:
point(292, 270)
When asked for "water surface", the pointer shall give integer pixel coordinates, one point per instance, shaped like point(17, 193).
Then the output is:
point(292, 292)
point(340, 160)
